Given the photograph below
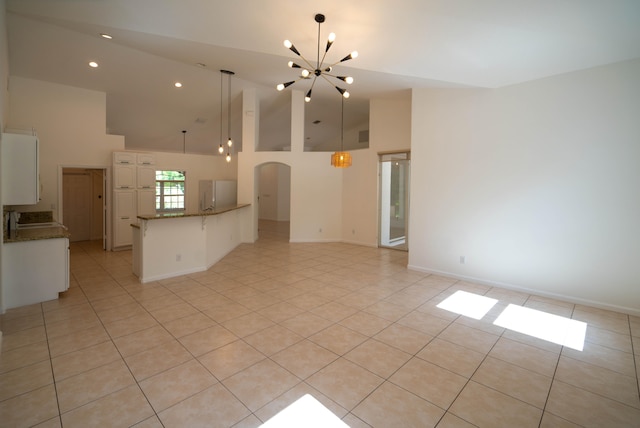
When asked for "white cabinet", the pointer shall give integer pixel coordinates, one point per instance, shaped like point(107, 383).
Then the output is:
point(134, 192)
point(124, 176)
point(124, 213)
point(146, 159)
point(34, 271)
point(146, 202)
point(124, 158)
point(20, 170)
point(146, 177)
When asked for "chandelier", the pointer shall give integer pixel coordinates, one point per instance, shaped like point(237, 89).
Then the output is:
point(308, 70)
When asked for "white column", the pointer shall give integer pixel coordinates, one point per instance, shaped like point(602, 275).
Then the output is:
point(297, 121)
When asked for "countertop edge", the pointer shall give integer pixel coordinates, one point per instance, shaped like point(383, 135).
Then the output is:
point(25, 235)
point(192, 214)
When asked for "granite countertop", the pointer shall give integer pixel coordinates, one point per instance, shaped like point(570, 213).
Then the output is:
point(192, 214)
point(22, 235)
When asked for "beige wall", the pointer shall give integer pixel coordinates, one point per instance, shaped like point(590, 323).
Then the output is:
point(536, 184)
point(389, 130)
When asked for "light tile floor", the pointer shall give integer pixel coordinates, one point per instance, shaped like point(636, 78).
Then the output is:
point(273, 321)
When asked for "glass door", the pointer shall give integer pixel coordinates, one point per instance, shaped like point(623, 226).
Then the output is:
point(394, 200)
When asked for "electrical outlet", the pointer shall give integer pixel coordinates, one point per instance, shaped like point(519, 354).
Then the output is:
point(463, 260)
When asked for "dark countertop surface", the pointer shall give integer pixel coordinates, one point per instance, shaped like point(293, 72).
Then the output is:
point(192, 214)
point(35, 234)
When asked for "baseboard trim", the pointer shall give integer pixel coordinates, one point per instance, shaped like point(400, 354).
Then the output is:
point(565, 298)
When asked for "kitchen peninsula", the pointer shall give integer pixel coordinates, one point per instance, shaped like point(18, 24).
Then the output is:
point(172, 244)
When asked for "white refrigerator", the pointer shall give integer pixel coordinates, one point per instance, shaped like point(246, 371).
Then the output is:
point(216, 194)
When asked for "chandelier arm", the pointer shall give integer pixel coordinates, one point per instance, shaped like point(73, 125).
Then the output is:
point(323, 75)
point(311, 68)
point(338, 62)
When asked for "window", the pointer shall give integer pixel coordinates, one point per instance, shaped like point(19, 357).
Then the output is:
point(170, 191)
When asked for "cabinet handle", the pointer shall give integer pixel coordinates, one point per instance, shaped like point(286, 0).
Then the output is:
point(124, 218)
point(124, 187)
point(124, 162)
point(146, 187)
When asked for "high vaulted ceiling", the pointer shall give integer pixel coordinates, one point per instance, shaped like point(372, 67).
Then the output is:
point(402, 44)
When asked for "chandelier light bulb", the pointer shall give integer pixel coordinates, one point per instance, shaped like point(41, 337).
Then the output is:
point(228, 158)
point(220, 149)
point(288, 44)
point(349, 80)
point(305, 73)
point(280, 86)
point(346, 94)
point(229, 142)
point(332, 37)
point(354, 54)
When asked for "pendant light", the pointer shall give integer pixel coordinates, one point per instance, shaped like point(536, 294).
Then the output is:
point(319, 69)
point(341, 159)
point(221, 148)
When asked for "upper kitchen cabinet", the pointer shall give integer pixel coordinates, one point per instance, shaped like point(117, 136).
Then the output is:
point(20, 169)
point(124, 158)
point(146, 159)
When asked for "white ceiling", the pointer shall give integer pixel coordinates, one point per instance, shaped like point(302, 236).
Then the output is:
point(402, 44)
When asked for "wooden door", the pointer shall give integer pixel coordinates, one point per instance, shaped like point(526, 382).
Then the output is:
point(77, 203)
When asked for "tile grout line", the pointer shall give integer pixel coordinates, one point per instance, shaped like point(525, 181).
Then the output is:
point(53, 376)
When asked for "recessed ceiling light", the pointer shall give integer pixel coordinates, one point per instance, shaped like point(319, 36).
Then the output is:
point(178, 85)
point(93, 64)
point(106, 36)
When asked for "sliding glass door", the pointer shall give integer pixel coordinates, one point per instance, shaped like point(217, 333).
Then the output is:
point(394, 171)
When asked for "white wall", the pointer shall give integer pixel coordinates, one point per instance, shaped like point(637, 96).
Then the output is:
point(389, 130)
point(4, 110)
point(4, 67)
point(316, 187)
point(537, 184)
point(70, 123)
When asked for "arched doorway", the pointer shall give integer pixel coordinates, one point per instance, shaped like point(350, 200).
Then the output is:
point(273, 190)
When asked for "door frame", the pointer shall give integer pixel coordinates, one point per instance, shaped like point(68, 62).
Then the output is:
point(106, 199)
point(407, 158)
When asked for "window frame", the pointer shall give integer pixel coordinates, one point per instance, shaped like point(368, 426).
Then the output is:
point(160, 192)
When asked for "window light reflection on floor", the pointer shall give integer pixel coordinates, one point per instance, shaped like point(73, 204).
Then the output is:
point(468, 304)
point(549, 327)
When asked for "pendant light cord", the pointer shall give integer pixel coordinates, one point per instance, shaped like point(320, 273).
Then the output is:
point(229, 109)
point(221, 116)
point(342, 127)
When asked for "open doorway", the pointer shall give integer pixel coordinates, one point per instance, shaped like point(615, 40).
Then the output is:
point(274, 200)
point(394, 200)
point(83, 203)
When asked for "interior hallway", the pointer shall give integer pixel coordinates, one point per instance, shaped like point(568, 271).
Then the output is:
point(348, 324)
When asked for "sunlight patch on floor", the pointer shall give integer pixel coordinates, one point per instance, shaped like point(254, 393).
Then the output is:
point(468, 304)
point(552, 328)
point(305, 412)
